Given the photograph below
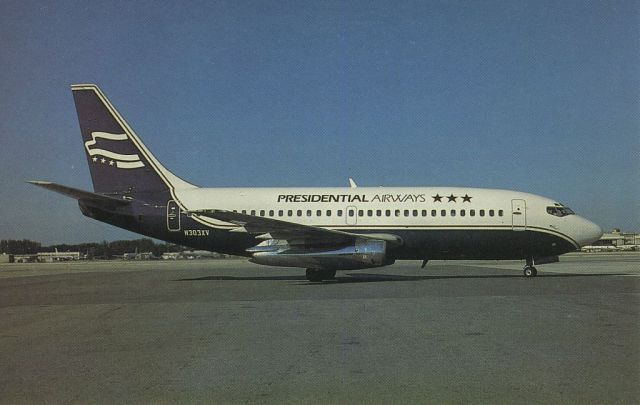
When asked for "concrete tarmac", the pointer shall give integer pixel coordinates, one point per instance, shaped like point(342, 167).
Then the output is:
point(232, 332)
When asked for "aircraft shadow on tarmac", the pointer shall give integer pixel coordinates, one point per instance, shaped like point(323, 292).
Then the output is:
point(369, 278)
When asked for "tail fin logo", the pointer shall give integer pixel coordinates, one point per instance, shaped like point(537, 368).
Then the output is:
point(108, 157)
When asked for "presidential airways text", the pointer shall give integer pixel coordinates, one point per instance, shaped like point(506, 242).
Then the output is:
point(351, 198)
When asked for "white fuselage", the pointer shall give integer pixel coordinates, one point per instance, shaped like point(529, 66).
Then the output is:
point(386, 209)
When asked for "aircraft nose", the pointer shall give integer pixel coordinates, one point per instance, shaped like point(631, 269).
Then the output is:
point(589, 232)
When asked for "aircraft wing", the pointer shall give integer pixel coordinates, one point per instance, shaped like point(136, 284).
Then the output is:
point(77, 193)
point(269, 228)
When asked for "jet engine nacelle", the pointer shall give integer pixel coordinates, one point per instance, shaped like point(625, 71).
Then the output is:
point(363, 254)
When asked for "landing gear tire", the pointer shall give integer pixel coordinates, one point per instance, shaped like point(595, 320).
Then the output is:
point(530, 271)
point(315, 275)
point(328, 274)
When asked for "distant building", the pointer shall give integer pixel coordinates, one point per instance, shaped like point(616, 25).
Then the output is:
point(614, 241)
point(27, 258)
point(47, 257)
point(5, 258)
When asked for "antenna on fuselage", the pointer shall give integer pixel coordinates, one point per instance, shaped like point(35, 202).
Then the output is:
point(352, 183)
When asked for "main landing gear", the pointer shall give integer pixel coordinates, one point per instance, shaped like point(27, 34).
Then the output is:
point(529, 270)
point(320, 274)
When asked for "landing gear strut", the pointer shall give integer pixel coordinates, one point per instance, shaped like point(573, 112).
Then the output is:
point(529, 270)
point(320, 274)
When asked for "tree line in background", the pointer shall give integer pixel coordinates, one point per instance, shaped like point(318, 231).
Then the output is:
point(95, 250)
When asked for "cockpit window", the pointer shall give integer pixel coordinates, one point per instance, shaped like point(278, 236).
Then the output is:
point(560, 211)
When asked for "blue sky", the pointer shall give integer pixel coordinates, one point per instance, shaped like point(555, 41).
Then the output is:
point(539, 96)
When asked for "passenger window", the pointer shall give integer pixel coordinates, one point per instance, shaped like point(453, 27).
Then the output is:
point(319, 213)
point(280, 213)
point(472, 213)
point(500, 213)
point(388, 213)
point(415, 213)
point(308, 213)
point(406, 213)
point(434, 213)
point(270, 213)
point(253, 212)
point(290, 213)
point(378, 213)
point(299, 213)
point(328, 213)
point(397, 213)
point(262, 213)
point(361, 213)
point(463, 213)
point(424, 213)
point(482, 213)
point(351, 213)
point(244, 212)
point(453, 213)
point(369, 213)
point(443, 213)
point(339, 212)
point(491, 213)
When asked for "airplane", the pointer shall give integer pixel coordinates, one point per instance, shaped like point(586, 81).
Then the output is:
point(136, 255)
point(321, 230)
point(64, 256)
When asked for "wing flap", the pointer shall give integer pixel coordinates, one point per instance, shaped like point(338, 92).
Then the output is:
point(269, 228)
point(275, 228)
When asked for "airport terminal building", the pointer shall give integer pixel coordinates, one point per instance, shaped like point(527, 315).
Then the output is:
point(615, 241)
point(44, 257)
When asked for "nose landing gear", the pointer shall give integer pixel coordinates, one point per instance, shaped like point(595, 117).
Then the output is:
point(529, 270)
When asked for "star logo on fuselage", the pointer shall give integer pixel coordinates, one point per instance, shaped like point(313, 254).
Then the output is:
point(452, 198)
point(437, 198)
point(466, 198)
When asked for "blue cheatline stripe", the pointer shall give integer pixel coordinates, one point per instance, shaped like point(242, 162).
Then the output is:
point(392, 228)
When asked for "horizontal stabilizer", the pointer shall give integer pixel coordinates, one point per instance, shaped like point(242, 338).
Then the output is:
point(77, 193)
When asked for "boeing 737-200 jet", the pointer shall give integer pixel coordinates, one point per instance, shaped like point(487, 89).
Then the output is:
point(319, 229)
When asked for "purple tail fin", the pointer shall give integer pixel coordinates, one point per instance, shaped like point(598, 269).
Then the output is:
point(119, 162)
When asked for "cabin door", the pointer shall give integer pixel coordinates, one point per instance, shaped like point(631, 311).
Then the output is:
point(173, 216)
point(519, 215)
